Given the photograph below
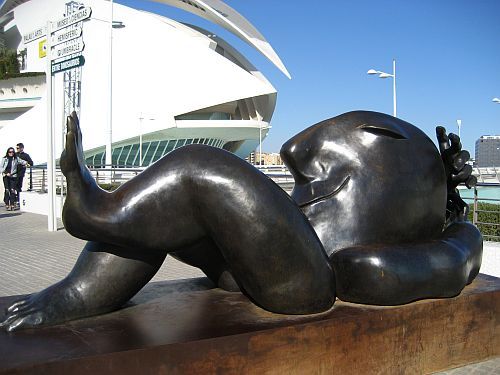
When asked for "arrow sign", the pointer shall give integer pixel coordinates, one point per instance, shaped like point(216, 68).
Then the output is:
point(68, 48)
point(34, 35)
point(67, 64)
point(78, 16)
point(66, 34)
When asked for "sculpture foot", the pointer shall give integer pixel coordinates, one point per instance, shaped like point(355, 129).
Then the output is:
point(50, 306)
point(72, 157)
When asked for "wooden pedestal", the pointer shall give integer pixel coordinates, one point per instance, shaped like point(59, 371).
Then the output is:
point(187, 327)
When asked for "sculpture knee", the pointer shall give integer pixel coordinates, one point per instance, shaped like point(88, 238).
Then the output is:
point(311, 294)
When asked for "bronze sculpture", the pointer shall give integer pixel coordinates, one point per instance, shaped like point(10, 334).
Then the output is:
point(365, 223)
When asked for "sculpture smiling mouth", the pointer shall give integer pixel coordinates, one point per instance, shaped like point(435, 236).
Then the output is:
point(327, 196)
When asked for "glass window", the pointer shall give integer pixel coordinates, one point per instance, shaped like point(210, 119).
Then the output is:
point(133, 156)
point(122, 158)
point(159, 151)
point(114, 155)
point(148, 155)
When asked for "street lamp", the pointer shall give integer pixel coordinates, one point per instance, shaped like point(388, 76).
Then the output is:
point(496, 100)
point(141, 117)
point(388, 75)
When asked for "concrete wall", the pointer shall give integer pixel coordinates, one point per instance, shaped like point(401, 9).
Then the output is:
point(38, 203)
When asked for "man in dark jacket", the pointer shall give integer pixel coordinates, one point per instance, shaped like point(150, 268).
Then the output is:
point(22, 169)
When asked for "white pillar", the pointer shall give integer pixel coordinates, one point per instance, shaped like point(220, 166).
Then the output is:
point(109, 139)
point(51, 175)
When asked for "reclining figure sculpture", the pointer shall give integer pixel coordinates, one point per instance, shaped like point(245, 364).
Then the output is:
point(374, 218)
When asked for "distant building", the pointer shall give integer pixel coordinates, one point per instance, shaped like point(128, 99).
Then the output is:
point(272, 158)
point(488, 151)
point(172, 84)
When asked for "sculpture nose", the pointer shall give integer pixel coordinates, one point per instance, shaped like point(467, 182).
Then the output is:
point(294, 155)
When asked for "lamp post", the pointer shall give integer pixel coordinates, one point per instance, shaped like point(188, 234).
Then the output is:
point(388, 75)
point(496, 100)
point(109, 130)
point(141, 117)
point(260, 144)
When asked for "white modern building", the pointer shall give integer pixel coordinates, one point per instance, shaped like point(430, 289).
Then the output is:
point(170, 84)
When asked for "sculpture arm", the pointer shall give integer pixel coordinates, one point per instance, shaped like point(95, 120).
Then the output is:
point(402, 273)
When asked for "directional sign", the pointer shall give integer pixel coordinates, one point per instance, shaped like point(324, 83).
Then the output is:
point(66, 34)
point(68, 48)
point(35, 34)
point(67, 64)
point(75, 17)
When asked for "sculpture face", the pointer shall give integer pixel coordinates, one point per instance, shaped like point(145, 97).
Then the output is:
point(367, 178)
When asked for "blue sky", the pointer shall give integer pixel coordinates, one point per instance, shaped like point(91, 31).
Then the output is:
point(447, 53)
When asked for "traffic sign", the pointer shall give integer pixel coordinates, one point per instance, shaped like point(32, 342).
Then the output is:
point(75, 17)
point(65, 35)
point(68, 48)
point(67, 64)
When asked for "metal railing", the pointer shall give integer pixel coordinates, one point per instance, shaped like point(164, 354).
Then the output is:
point(487, 174)
point(36, 180)
point(476, 210)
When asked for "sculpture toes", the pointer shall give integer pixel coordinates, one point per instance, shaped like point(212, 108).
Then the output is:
point(25, 321)
point(471, 182)
point(8, 319)
point(460, 160)
point(442, 138)
point(16, 305)
point(455, 144)
point(462, 176)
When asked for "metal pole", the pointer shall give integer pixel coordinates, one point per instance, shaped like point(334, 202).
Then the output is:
point(51, 181)
point(394, 85)
point(140, 140)
point(109, 141)
point(474, 213)
point(260, 143)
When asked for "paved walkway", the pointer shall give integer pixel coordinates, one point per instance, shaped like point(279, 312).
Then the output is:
point(31, 259)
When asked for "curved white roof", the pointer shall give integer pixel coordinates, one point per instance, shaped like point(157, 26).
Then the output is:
point(223, 15)
point(215, 11)
point(170, 81)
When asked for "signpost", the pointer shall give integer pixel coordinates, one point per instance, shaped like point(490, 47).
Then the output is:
point(72, 62)
point(34, 35)
point(64, 38)
point(68, 48)
point(78, 16)
point(65, 35)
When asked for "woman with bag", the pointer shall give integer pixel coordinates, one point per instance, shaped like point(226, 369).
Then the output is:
point(9, 172)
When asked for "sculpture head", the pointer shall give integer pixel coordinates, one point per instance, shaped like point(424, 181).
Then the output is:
point(367, 178)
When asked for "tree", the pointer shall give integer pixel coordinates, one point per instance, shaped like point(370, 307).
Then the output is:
point(9, 63)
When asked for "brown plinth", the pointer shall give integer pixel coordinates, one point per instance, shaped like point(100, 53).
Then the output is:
point(186, 327)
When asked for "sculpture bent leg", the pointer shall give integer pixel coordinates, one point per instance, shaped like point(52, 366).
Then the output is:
point(100, 282)
point(191, 195)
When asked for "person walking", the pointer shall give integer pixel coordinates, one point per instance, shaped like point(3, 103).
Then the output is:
point(21, 169)
point(8, 167)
